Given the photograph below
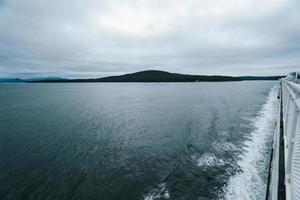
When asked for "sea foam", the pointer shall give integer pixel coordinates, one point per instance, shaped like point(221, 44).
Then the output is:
point(159, 192)
point(249, 184)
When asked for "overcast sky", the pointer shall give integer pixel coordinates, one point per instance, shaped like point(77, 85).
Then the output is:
point(96, 38)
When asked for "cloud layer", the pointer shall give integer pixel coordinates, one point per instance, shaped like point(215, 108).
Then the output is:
point(73, 38)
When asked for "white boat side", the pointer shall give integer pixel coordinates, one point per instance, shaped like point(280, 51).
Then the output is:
point(284, 175)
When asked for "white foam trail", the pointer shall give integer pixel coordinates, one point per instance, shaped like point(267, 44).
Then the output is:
point(224, 146)
point(160, 192)
point(249, 184)
point(209, 160)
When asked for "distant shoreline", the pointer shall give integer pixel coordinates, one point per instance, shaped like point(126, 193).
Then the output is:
point(150, 76)
point(71, 81)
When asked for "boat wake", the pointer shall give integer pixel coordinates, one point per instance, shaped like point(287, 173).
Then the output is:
point(250, 183)
point(160, 192)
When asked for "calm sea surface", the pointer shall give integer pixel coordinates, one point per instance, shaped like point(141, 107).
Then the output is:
point(115, 141)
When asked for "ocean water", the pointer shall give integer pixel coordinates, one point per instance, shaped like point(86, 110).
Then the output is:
point(144, 141)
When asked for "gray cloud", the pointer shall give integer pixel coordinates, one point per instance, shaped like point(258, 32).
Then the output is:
point(73, 38)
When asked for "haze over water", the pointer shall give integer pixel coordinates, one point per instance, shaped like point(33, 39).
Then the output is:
point(149, 141)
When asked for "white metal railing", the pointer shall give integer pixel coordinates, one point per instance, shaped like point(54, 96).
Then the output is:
point(291, 125)
point(290, 106)
point(272, 190)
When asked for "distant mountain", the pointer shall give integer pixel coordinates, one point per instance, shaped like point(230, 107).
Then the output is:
point(149, 76)
point(158, 76)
